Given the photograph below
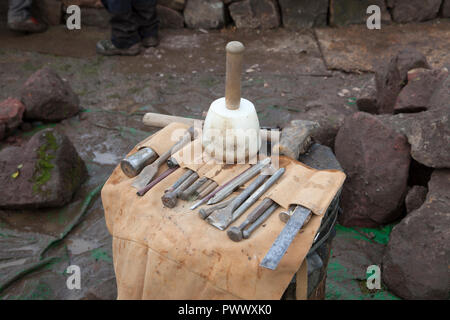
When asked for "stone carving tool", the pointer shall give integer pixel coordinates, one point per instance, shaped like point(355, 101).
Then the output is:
point(285, 238)
point(235, 233)
point(132, 165)
point(221, 219)
point(180, 181)
point(170, 199)
point(186, 194)
point(202, 188)
point(286, 215)
point(205, 212)
point(156, 181)
point(248, 232)
point(239, 181)
point(213, 192)
point(150, 171)
point(231, 127)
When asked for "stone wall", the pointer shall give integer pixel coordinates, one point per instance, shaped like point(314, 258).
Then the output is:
point(261, 14)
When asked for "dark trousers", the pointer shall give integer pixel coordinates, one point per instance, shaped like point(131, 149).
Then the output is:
point(132, 20)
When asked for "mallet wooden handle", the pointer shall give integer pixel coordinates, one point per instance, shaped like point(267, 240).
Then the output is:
point(235, 51)
point(161, 120)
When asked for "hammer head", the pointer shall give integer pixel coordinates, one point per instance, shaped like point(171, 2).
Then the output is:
point(169, 199)
point(235, 234)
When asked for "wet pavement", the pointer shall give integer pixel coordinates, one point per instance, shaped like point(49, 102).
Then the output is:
point(285, 76)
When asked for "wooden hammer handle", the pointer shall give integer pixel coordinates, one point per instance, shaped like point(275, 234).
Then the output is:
point(235, 51)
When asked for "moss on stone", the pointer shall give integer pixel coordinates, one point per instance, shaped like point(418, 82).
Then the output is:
point(44, 166)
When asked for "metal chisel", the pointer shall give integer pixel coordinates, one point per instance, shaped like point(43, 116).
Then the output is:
point(285, 238)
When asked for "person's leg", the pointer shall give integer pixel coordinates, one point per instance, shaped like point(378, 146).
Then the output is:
point(19, 17)
point(124, 30)
point(147, 20)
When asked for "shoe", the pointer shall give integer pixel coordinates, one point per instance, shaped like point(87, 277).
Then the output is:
point(29, 25)
point(107, 48)
point(150, 42)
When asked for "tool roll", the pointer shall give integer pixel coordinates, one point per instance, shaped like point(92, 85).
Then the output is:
point(163, 253)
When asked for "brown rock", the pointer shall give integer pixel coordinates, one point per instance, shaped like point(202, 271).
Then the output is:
point(11, 112)
point(376, 160)
point(169, 18)
point(413, 10)
point(44, 173)
point(428, 134)
point(415, 264)
point(48, 98)
point(441, 96)
point(391, 78)
point(415, 198)
point(415, 96)
point(298, 14)
point(255, 14)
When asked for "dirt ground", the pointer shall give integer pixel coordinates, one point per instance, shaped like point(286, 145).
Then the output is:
point(286, 74)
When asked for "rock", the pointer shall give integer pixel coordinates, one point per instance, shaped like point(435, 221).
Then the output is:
point(413, 10)
point(345, 12)
point(48, 98)
point(296, 138)
point(441, 96)
point(446, 9)
point(255, 14)
point(298, 14)
point(376, 159)
point(169, 18)
point(415, 263)
point(11, 112)
point(206, 14)
point(428, 133)
point(415, 198)
point(320, 157)
point(44, 173)
point(367, 98)
point(415, 96)
point(330, 119)
point(49, 11)
point(173, 4)
point(391, 78)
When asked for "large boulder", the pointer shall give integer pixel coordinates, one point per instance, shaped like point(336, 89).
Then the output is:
point(428, 133)
point(48, 98)
point(415, 264)
point(255, 14)
point(416, 95)
point(413, 10)
point(376, 159)
point(169, 18)
point(392, 77)
point(11, 112)
point(299, 14)
point(44, 173)
point(441, 96)
point(345, 12)
point(206, 14)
